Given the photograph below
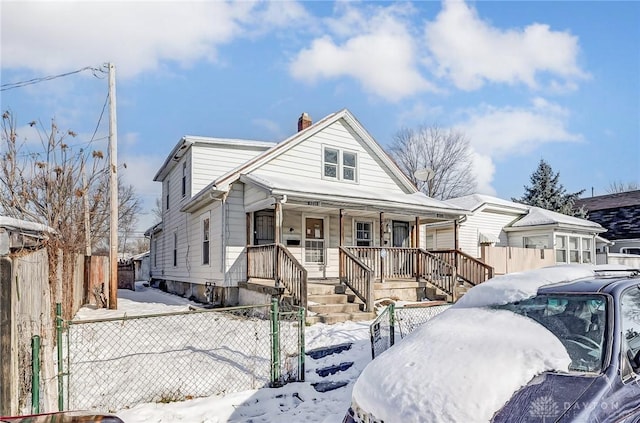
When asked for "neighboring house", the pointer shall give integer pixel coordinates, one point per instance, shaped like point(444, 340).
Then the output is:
point(620, 214)
point(502, 223)
point(325, 203)
point(141, 263)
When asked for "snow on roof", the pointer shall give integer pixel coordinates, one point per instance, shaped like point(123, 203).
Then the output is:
point(538, 216)
point(288, 185)
point(229, 141)
point(433, 377)
point(473, 201)
point(10, 222)
point(519, 286)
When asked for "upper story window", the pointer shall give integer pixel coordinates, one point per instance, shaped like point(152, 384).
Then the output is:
point(184, 179)
point(167, 195)
point(340, 165)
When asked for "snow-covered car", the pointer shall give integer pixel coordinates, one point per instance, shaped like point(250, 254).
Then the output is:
point(559, 344)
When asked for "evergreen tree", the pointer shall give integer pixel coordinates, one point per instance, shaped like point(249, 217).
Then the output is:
point(548, 193)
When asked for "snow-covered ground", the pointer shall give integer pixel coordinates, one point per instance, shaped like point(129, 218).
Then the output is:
point(295, 402)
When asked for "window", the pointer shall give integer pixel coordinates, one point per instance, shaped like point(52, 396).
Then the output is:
point(331, 163)
point(561, 249)
point(314, 240)
point(363, 234)
point(586, 250)
point(630, 319)
point(184, 179)
point(574, 249)
point(175, 249)
point(155, 251)
point(348, 166)
point(539, 242)
point(340, 165)
point(205, 240)
point(167, 195)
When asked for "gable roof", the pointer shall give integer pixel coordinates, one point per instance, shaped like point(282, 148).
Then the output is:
point(530, 216)
point(221, 184)
point(188, 140)
point(474, 202)
point(610, 201)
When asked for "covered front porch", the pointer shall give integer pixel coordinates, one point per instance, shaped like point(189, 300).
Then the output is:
point(293, 242)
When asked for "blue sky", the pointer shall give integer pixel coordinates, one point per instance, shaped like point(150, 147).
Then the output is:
point(524, 81)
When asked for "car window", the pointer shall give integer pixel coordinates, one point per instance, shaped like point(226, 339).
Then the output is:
point(579, 321)
point(630, 318)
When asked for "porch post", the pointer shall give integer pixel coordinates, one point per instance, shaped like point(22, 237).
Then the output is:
point(382, 246)
point(278, 222)
point(416, 245)
point(340, 264)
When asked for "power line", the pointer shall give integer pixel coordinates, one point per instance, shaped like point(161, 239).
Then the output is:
point(12, 85)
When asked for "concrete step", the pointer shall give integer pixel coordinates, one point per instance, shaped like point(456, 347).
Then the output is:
point(320, 289)
point(331, 370)
point(397, 284)
point(329, 386)
point(340, 317)
point(328, 299)
point(322, 352)
point(334, 308)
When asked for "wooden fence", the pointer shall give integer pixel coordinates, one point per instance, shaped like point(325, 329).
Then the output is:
point(29, 289)
point(513, 259)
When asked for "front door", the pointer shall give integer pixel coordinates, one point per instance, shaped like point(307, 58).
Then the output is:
point(400, 234)
point(264, 224)
point(314, 252)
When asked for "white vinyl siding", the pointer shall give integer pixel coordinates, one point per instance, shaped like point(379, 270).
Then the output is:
point(304, 162)
point(213, 161)
point(488, 222)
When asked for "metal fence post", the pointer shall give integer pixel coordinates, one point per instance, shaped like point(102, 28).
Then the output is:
point(35, 374)
point(59, 342)
point(392, 322)
point(301, 350)
point(275, 343)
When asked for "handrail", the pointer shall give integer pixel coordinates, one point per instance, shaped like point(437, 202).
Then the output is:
point(275, 261)
point(470, 269)
point(357, 276)
point(437, 271)
point(387, 262)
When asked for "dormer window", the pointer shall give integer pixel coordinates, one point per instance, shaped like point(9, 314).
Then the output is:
point(340, 165)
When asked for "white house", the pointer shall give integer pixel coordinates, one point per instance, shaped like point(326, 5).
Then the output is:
point(502, 223)
point(325, 203)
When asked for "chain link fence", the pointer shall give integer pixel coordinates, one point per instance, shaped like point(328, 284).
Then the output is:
point(113, 364)
point(403, 319)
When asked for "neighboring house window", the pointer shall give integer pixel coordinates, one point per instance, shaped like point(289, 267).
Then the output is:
point(586, 250)
point(184, 179)
point(539, 242)
point(167, 195)
point(205, 240)
point(340, 165)
point(363, 234)
point(175, 248)
point(561, 249)
point(573, 249)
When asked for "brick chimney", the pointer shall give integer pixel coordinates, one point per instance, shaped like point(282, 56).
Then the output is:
point(304, 121)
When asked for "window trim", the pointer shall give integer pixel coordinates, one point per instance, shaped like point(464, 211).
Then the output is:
point(175, 249)
point(355, 232)
point(340, 166)
point(184, 179)
point(568, 249)
point(203, 218)
point(167, 195)
point(325, 239)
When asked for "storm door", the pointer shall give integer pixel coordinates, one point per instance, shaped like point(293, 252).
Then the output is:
point(264, 224)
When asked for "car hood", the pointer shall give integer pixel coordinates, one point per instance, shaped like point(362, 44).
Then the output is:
point(547, 397)
point(461, 366)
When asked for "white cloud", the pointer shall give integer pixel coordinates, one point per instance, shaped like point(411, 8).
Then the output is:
point(379, 52)
point(272, 128)
point(497, 133)
point(420, 114)
point(137, 36)
point(471, 52)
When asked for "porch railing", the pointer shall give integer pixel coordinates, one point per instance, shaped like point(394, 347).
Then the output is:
point(437, 271)
point(274, 261)
point(470, 269)
point(387, 262)
point(357, 276)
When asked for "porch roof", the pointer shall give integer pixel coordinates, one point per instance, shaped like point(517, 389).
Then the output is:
point(352, 196)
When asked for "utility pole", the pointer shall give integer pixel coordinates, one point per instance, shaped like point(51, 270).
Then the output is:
point(85, 206)
point(113, 188)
